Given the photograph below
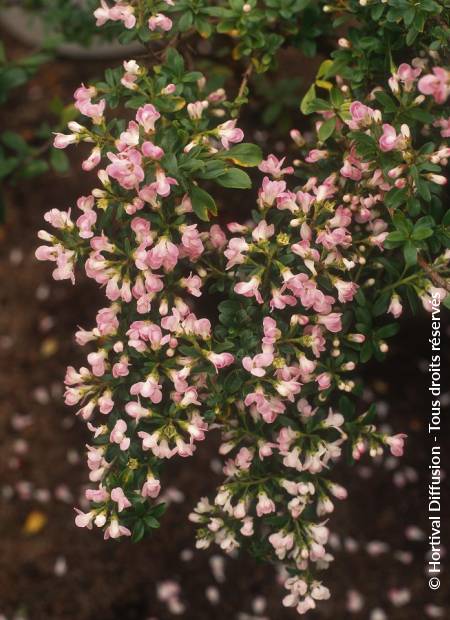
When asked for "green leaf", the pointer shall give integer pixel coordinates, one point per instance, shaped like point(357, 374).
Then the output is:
point(394, 239)
point(175, 62)
point(202, 203)
point(410, 253)
point(386, 101)
point(326, 129)
point(7, 166)
point(159, 510)
point(346, 407)
point(151, 522)
point(381, 304)
point(402, 224)
point(387, 331)
point(395, 197)
point(306, 104)
point(366, 351)
point(420, 234)
point(138, 531)
point(245, 154)
point(365, 145)
point(235, 178)
point(233, 382)
point(59, 160)
point(15, 142)
point(34, 168)
point(185, 22)
point(424, 190)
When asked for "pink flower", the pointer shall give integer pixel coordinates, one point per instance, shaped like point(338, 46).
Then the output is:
point(58, 219)
point(331, 321)
point(151, 150)
point(102, 14)
point(396, 444)
point(84, 519)
point(147, 116)
point(332, 238)
point(323, 380)
point(265, 505)
point(346, 290)
point(193, 285)
point(286, 201)
point(61, 141)
point(257, 364)
point(271, 332)
point(97, 495)
point(151, 488)
point(444, 124)
point(217, 237)
point(395, 306)
point(117, 495)
point(220, 360)
point(407, 75)
point(123, 12)
point(150, 388)
point(136, 410)
point(436, 84)
point(234, 252)
point(160, 21)
point(191, 242)
point(362, 115)
point(97, 361)
point(263, 231)
point(274, 166)
point(389, 139)
point(129, 78)
point(130, 137)
point(228, 133)
point(93, 160)
point(270, 191)
point(163, 183)
point(317, 341)
point(282, 542)
point(115, 530)
point(197, 427)
point(164, 254)
point(195, 110)
point(85, 223)
point(288, 389)
point(118, 435)
point(84, 104)
point(316, 155)
point(105, 403)
point(350, 171)
point(249, 289)
point(126, 168)
point(268, 408)
point(120, 368)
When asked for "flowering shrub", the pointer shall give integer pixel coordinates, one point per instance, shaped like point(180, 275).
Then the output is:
point(338, 242)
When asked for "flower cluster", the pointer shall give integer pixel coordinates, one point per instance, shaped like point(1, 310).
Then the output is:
point(298, 270)
point(138, 236)
point(125, 13)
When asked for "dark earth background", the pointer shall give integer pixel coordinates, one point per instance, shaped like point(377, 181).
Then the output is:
point(50, 570)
